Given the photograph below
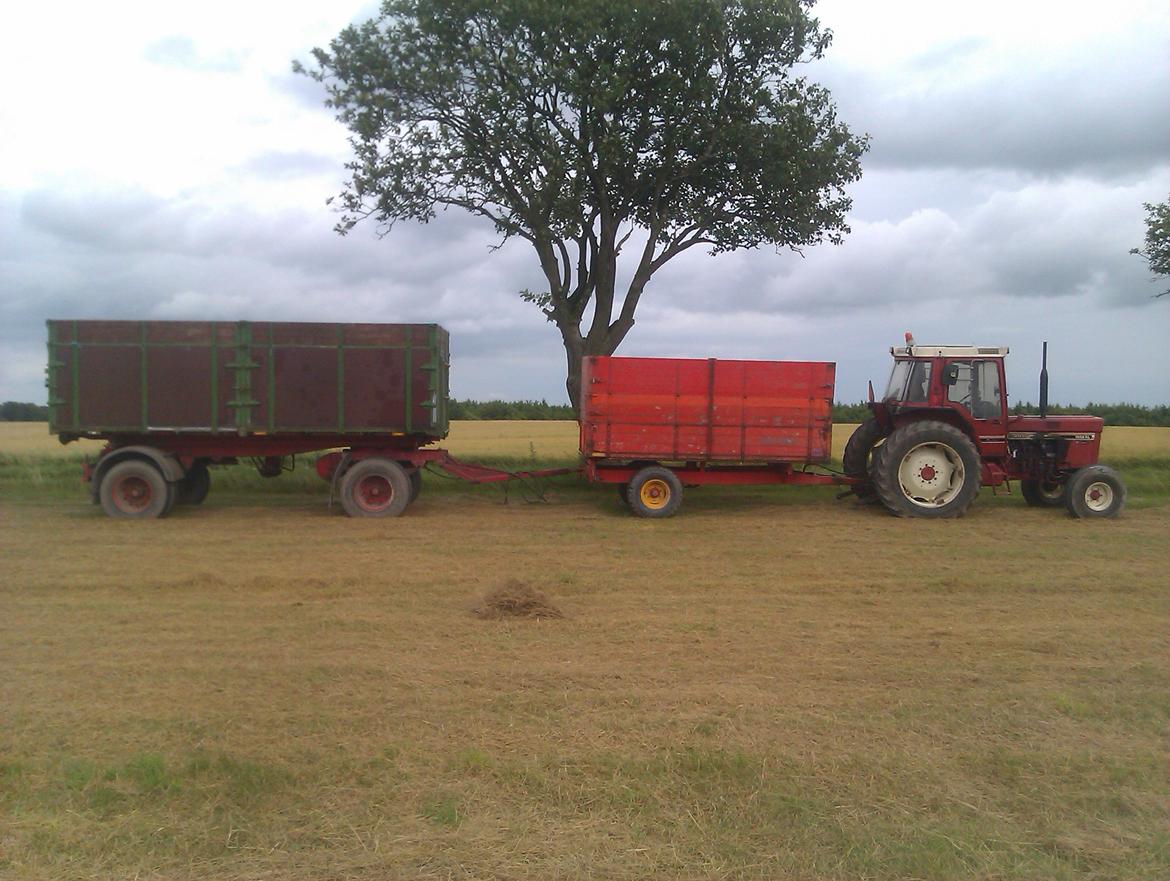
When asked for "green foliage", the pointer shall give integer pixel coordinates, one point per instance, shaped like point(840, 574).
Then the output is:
point(576, 125)
point(1157, 244)
point(525, 410)
point(20, 411)
point(1113, 414)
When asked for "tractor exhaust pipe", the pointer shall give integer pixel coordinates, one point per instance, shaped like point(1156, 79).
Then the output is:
point(1044, 382)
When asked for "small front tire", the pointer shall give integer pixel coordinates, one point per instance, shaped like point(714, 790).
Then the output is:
point(654, 492)
point(1095, 491)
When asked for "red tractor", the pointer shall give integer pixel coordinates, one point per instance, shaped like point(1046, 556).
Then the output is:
point(942, 430)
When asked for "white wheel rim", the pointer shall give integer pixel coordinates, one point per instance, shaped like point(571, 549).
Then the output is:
point(1098, 496)
point(931, 475)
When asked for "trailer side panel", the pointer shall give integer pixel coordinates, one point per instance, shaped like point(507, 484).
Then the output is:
point(674, 409)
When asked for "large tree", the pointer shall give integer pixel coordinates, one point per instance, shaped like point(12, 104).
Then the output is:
point(1157, 249)
point(587, 126)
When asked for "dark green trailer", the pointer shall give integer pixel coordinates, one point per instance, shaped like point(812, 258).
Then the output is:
point(113, 378)
point(173, 397)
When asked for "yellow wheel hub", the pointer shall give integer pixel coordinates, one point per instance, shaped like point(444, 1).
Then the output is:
point(654, 493)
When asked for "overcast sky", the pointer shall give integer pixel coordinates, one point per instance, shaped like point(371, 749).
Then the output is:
point(160, 160)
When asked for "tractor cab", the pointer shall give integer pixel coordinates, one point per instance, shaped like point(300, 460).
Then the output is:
point(965, 383)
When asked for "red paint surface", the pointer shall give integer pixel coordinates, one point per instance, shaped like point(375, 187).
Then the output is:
point(674, 409)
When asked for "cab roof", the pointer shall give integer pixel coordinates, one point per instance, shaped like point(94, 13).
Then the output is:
point(948, 351)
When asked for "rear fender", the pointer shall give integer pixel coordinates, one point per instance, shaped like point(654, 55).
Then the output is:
point(170, 467)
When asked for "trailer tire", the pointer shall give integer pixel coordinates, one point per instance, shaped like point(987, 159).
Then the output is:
point(654, 492)
point(1044, 493)
point(375, 488)
point(194, 486)
point(135, 489)
point(927, 469)
point(1095, 491)
point(415, 477)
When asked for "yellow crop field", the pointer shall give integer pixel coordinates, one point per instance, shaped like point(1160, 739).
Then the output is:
point(552, 439)
point(773, 684)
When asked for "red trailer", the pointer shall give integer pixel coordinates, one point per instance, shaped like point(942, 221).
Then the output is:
point(653, 425)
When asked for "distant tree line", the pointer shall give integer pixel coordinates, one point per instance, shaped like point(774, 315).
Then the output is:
point(471, 409)
point(1113, 414)
point(18, 411)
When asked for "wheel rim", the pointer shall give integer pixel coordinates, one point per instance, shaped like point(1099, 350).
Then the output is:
point(655, 494)
point(373, 493)
point(132, 494)
point(931, 475)
point(1098, 496)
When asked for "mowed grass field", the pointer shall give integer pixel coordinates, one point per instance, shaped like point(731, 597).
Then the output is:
point(773, 684)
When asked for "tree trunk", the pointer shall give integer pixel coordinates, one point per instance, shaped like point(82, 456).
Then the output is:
point(574, 351)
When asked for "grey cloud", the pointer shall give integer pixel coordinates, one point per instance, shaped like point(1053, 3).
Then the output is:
point(1108, 118)
point(286, 164)
point(180, 51)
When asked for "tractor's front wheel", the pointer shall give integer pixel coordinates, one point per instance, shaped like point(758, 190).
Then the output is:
point(1043, 493)
point(1095, 491)
point(927, 469)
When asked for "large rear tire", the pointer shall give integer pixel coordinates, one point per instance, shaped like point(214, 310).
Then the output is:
point(1095, 491)
point(1043, 493)
point(135, 489)
point(927, 469)
point(654, 492)
point(375, 488)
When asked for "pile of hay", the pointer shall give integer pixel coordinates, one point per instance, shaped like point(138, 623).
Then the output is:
point(516, 600)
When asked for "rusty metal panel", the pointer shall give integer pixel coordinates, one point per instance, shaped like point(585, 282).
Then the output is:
point(674, 409)
point(247, 377)
point(109, 389)
point(179, 382)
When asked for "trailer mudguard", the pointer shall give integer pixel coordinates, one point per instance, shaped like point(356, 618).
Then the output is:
point(170, 467)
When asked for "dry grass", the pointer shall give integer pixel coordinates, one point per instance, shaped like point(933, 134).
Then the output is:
point(550, 440)
point(515, 599)
point(773, 685)
point(753, 690)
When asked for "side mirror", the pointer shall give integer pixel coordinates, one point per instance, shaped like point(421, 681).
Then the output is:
point(951, 374)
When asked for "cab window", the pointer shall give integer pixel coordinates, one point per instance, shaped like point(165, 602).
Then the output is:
point(975, 385)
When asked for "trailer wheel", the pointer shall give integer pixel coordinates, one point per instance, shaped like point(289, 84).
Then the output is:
point(1095, 491)
point(927, 469)
point(654, 492)
point(194, 486)
point(137, 490)
point(415, 477)
point(375, 488)
point(1043, 493)
point(858, 455)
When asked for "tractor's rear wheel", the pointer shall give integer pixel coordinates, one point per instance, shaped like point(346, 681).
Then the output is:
point(654, 492)
point(927, 469)
point(1043, 493)
point(375, 488)
point(857, 457)
point(1095, 491)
